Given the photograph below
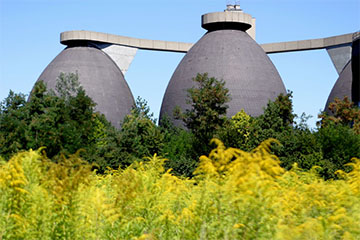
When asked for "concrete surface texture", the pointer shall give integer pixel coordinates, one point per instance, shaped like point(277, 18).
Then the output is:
point(290, 46)
point(340, 56)
point(70, 36)
point(304, 45)
point(121, 55)
point(98, 75)
point(123, 49)
point(232, 19)
point(348, 83)
point(231, 55)
point(342, 86)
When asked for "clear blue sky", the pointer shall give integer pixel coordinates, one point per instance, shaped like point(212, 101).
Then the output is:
point(30, 32)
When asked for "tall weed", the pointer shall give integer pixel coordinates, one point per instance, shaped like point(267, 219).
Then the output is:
point(234, 195)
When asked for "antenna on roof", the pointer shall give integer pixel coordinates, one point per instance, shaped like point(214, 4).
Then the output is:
point(229, 4)
point(233, 5)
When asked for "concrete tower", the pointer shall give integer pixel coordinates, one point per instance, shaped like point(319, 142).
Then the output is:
point(226, 52)
point(99, 75)
point(348, 83)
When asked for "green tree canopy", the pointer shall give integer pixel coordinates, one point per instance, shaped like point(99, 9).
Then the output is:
point(343, 112)
point(208, 100)
point(63, 121)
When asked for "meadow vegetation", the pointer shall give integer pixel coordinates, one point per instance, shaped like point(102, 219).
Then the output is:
point(233, 195)
point(66, 173)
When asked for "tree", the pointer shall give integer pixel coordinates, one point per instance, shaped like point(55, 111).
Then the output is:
point(339, 135)
point(138, 137)
point(207, 114)
point(338, 145)
point(237, 131)
point(13, 124)
point(343, 112)
point(297, 143)
point(178, 149)
point(277, 120)
point(141, 109)
point(278, 115)
point(63, 121)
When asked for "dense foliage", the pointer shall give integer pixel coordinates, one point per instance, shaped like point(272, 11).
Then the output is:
point(179, 149)
point(330, 147)
point(343, 112)
point(234, 195)
point(138, 137)
point(207, 115)
point(63, 123)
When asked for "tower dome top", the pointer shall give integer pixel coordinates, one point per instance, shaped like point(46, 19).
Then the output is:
point(98, 74)
point(229, 19)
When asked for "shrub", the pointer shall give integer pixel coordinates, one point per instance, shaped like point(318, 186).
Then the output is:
point(339, 144)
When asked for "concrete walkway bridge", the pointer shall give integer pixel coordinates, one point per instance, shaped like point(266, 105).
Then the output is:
point(123, 49)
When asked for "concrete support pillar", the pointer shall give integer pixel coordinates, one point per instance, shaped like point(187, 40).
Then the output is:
point(121, 55)
point(340, 55)
point(252, 30)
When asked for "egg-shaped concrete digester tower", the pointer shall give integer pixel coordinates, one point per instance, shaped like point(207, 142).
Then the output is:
point(226, 52)
point(100, 77)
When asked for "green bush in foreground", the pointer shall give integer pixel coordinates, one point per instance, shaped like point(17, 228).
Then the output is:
point(234, 195)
